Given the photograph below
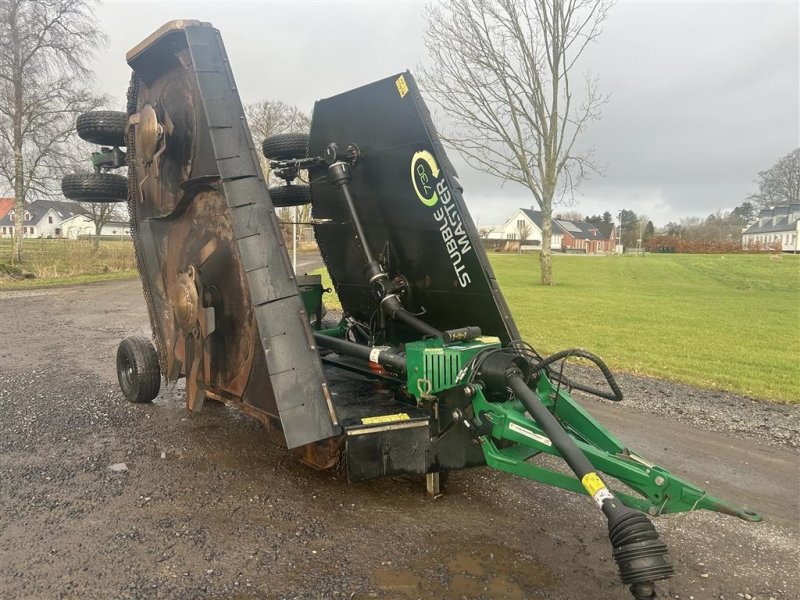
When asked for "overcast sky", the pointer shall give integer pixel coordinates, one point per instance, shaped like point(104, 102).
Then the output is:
point(704, 95)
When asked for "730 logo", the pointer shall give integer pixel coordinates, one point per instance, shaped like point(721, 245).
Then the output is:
point(424, 175)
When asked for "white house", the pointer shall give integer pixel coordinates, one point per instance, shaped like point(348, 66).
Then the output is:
point(52, 219)
point(779, 225)
point(81, 225)
point(43, 218)
point(526, 223)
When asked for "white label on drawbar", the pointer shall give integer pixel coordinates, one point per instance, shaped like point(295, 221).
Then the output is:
point(530, 434)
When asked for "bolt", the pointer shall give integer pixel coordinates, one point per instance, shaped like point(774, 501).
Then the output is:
point(659, 480)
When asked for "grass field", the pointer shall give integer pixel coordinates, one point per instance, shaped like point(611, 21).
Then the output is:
point(727, 322)
point(68, 262)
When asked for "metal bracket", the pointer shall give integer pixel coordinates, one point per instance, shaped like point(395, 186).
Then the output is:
point(652, 489)
point(433, 485)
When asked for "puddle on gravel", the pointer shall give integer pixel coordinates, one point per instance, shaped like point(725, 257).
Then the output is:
point(487, 571)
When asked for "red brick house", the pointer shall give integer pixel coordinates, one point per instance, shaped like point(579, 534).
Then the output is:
point(6, 204)
point(591, 238)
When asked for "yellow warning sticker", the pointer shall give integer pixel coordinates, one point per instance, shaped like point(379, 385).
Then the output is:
point(402, 86)
point(385, 419)
point(592, 483)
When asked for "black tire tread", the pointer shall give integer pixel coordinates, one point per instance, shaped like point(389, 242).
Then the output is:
point(147, 373)
point(103, 127)
point(95, 187)
point(290, 195)
point(285, 146)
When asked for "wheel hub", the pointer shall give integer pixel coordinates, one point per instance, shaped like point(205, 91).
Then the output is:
point(148, 133)
point(185, 300)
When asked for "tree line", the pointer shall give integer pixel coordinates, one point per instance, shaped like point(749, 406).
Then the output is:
point(637, 229)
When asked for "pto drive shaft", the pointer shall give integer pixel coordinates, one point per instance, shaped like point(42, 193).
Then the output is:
point(340, 175)
point(639, 554)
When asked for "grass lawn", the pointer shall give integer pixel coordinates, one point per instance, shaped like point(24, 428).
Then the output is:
point(728, 322)
point(67, 262)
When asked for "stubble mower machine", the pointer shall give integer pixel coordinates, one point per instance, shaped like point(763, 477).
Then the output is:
point(425, 373)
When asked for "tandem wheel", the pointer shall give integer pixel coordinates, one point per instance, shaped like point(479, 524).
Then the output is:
point(103, 127)
point(95, 187)
point(285, 146)
point(138, 371)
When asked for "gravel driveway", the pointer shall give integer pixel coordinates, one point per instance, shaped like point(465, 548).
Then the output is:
point(205, 507)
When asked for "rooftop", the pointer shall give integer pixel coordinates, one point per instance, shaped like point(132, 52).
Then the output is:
point(777, 219)
point(39, 208)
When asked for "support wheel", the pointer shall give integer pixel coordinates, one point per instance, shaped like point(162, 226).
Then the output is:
point(285, 146)
point(95, 187)
point(137, 370)
point(290, 195)
point(103, 127)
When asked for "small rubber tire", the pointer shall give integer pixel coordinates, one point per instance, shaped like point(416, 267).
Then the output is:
point(103, 127)
point(285, 146)
point(95, 187)
point(138, 372)
point(290, 195)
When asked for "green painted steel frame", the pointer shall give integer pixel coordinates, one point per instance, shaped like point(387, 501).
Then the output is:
point(652, 488)
point(337, 332)
point(108, 158)
point(420, 381)
point(657, 491)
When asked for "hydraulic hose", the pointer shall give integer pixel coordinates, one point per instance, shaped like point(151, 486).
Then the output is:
point(616, 392)
point(639, 554)
point(394, 309)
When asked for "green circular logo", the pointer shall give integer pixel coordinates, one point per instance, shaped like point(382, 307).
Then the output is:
point(424, 176)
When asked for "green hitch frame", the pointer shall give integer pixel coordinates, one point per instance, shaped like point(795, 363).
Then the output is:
point(108, 158)
point(659, 491)
point(336, 332)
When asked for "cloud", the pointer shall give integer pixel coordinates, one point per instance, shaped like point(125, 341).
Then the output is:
point(703, 95)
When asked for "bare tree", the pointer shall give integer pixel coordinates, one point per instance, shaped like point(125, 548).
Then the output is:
point(101, 214)
point(485, 231)
point(503, 71)
point(272, 117)
point(641, 228)
point(571, 215)
point(524, 231)
point(45, 52)
point(718, 226)
point(780, 184)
